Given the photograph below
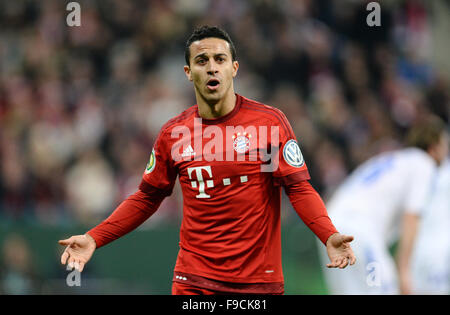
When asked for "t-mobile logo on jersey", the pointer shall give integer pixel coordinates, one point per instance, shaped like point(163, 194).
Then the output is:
point(200, 183)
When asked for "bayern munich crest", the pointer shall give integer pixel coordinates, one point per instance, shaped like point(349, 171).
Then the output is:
point(241, 142)
point(292, 154)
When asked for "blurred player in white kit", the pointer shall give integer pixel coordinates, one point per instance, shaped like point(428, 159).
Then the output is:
point(380, 204)
point(430, 262)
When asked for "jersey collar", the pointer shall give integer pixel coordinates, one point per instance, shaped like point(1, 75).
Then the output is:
point(214, 121)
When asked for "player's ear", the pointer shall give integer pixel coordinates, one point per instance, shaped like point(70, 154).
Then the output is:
point(187, 71)
point(235, 68)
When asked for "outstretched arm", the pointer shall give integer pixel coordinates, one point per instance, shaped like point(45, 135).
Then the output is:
point(311, 209)
point(131, 213)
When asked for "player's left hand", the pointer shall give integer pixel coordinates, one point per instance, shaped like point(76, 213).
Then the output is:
point(339, 251)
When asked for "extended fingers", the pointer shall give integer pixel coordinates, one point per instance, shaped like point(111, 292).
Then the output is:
point(81, 266)
point(64, 257)
point(68, 241)
point(352, 259)
point(335, 263)
point(344, 263)
point(76, 263)
point(347, 238)
point(71, 262)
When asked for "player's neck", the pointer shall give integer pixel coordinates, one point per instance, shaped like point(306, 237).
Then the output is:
point(216, 109)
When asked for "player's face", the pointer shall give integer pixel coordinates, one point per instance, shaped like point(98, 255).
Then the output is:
point(211, 68)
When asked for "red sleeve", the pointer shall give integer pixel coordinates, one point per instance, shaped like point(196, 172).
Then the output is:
point(131, 213)
point(161, 172)
point(311, 209)
point(291, 164)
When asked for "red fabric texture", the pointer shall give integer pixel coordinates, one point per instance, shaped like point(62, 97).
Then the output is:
point(131, 213)
point(311, 209)
point(179, 288)
point(228, 287)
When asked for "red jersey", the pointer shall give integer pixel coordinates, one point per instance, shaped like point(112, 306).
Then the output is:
point(231, 211)
point(231, 170)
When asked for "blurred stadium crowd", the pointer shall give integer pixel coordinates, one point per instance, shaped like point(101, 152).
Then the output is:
point(80, 107)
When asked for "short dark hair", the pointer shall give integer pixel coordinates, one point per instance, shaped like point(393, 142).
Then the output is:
point(206, 31)
point(426, 132)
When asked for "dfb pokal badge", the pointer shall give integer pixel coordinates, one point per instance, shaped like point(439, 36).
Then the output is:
point(151, 163)
point(241, 142)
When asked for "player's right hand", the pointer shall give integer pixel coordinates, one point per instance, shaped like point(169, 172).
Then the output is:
point(78, 251)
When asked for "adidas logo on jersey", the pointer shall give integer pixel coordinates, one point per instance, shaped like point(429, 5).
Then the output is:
point(188, 152)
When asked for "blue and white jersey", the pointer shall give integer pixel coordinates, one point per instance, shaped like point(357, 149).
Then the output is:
point(379, 191)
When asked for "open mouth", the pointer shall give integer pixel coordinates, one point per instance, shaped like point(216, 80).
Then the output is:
point(213, 84)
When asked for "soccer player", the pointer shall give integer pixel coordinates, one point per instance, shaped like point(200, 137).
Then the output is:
point(430, 262)
point(231, 155)
point(380, 203)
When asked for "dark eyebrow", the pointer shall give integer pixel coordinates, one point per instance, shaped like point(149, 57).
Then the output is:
point(205, 55)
